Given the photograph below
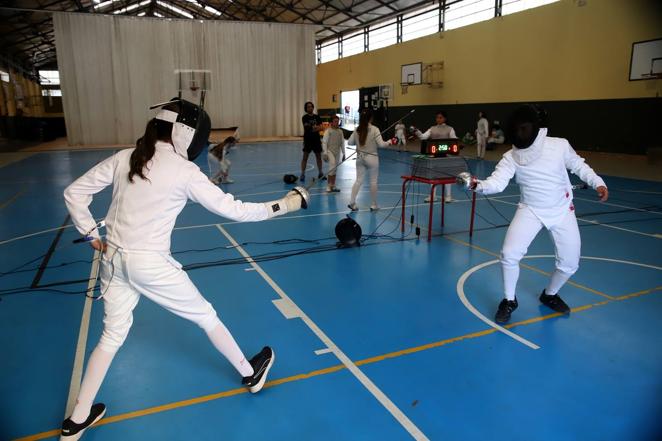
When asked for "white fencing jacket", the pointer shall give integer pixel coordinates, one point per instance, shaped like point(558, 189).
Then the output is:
point(373, 141)
point(483, 128)
point(440, 131)
point(142, 214)
point(333, 141)
point(541, 172)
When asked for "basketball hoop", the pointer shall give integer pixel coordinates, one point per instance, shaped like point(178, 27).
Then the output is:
point(403, 88)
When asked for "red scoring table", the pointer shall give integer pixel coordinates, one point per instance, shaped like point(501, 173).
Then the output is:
point(434, 183)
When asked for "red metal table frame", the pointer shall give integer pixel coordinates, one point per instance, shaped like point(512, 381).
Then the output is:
point(434, 183)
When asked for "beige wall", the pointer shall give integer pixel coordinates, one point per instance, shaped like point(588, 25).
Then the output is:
point(552, 53)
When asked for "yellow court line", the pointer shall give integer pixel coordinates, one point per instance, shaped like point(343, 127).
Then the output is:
point(13, 198)
point(336, 368)
point(529, 267)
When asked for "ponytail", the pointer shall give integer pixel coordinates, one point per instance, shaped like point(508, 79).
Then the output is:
point(362, 129)
point(145, 148)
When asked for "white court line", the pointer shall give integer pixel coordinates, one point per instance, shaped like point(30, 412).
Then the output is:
point(467, 304)
point(474, 311)
point(618, 205)
point(13, 239)
point(188, 227)
point(79, 359)
point(408, 425)
point(281, 218)
point(614, 227)
point(322, 351)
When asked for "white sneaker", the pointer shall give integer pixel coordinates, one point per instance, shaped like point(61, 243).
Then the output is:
point(374, 208)
point(227, 181)
point(427, 199)
point(449, 199)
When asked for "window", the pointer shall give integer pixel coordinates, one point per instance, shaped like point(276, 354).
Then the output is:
point(49, 77)
point(4, 76)
point(329, 51)
point(468, 12)
point(512, 6)
point(352, 44)
point(420, 23)
point(384, 34)
point(51, 92)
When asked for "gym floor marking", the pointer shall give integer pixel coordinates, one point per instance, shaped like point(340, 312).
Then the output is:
point(13, 198)
point(79, 359)
point(605, 225)
point(404, 421)
point(339, 367)
point(474, 311)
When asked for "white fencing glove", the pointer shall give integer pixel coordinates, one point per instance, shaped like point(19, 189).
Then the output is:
point(294, 200)
point(467, 181)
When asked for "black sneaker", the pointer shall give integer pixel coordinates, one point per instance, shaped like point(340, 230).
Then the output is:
point(261, 363)
point(321, 177)
point(73, 431)
point(554, 302)
point(506, 307)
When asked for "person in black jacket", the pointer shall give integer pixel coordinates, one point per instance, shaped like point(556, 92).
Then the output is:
point(312, 124)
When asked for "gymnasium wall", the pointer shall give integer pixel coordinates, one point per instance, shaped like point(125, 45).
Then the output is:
point(573, 59)
point(24, 114)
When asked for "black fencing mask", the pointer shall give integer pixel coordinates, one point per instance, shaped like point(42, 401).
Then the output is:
point(348, 233)
point(289, 179)
point(191, 126)
point(523, 126)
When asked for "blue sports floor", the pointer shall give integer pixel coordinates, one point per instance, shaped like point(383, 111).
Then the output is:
point(381, 342)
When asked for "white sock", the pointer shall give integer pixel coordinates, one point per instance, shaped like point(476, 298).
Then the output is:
point(95, 372)
point(557, 280)
point(226, 345)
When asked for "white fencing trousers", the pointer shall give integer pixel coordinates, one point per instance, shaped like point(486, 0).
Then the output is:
point(334, 160)
point(124, 277)
point(522, 230)
point(481, 142)
point(369, 163)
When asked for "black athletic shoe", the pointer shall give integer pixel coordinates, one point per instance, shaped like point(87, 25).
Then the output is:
point(506, 307)
point(321, 176)
point(554, 302)
point(261, 364)
point(72, 431)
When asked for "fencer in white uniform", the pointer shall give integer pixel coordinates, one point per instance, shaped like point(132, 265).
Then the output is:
point(367, 140)
point(333, 151)
point(482, 132)
point(151, 185)
point(400, 129)
point(540, 166)
point(439, 131)
point(218, 162)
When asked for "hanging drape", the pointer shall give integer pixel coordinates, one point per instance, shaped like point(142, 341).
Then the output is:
point(113, 68)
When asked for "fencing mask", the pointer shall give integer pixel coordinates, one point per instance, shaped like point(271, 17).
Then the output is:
point(190, 126)
point(348, 232)
point(524, 124)
point(289, 179)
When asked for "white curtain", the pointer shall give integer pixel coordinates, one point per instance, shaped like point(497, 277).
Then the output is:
point(113, 68)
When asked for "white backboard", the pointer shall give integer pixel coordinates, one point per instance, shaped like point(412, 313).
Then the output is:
point(411, 73)
point(646, 59)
